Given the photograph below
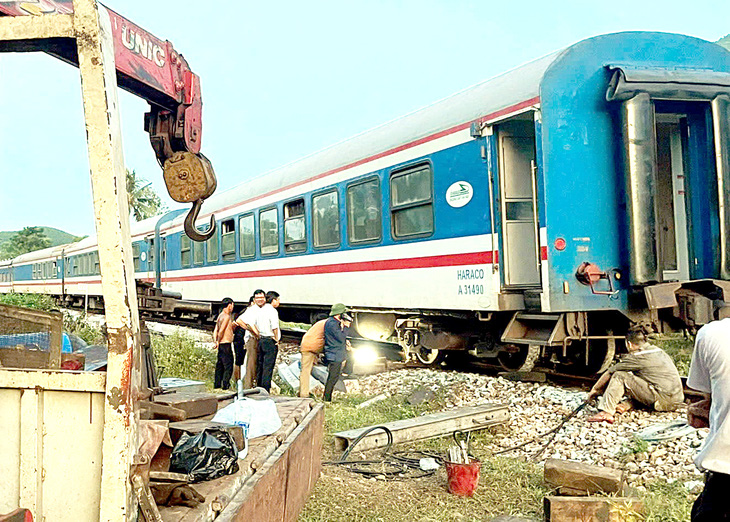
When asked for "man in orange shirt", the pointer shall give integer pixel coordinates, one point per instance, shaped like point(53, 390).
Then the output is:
point(311, 346)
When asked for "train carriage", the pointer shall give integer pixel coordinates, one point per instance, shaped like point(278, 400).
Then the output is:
point(530, 218)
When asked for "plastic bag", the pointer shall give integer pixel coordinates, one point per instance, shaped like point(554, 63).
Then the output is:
point(210, 454)
point(261, 415)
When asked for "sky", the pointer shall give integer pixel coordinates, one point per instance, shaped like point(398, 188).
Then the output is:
point(281, 80)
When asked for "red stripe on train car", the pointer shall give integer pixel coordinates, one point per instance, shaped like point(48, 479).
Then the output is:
point(362, 266)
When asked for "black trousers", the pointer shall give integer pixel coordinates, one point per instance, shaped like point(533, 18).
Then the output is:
point(712, 505)
point(334, 370)
point(267, 352)
point(224, 366)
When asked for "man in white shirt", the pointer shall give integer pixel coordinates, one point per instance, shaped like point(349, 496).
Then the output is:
point(709, 373)
point(267, 324)
point(247, 321)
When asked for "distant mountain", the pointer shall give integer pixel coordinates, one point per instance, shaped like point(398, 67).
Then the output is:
point(57, 237)
point(725, 42)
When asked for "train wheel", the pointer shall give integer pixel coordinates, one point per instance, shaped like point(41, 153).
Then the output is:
point(428, 356)
point(519, 358)
point(600, 356)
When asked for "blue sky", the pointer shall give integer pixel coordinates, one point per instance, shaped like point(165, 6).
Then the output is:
point(284, 79)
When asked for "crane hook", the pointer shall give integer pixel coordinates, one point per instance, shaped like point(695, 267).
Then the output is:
point(191, 230)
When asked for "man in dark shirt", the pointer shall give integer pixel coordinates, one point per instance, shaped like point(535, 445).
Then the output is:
point(335, 346)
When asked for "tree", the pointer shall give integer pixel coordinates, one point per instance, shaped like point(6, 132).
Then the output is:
point(27, 240)
point(144, 202)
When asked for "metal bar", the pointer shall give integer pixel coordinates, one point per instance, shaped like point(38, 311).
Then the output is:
point(721, 131)
point(533, 179)
point(15, 28)
point(103, 129)
point(427, 426)
point(26, 379)
point(493, 223)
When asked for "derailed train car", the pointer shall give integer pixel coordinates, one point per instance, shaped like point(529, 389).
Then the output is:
point(528, 219)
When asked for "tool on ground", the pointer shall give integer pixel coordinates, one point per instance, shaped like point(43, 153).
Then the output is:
point(553, 431)
point(390, 466)
point(459, 454)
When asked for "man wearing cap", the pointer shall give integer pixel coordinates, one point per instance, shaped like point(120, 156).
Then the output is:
point(335, 346)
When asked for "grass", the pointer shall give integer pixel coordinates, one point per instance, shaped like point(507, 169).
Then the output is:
point(679, 349)
point(507, 486)
point(668, 502)
point(179, 356)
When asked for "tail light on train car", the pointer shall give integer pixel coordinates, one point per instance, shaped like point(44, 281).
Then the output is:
point(560, 244)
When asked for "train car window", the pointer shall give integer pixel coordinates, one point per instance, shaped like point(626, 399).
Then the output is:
point(77, 265)
point(295, 235)
point(228, 240)
point(326, 220)
point(364, 211)
point(212, 247)
point(411, 202)
point(97, 266)
point(34, 269)
point(135, 256)
point(185, 250)
point(269, 231)
point(248, 237)
point(198, 257)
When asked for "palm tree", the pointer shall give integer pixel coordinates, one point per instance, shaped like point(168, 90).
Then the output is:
point(143, 201)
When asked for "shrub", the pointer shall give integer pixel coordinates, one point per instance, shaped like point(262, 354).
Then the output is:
point(179, 356)
point(80, 327)
point(36, 301)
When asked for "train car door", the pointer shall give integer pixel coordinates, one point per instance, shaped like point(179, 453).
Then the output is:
point(518, 203)
point(671, 199)
point(163, 261)
point(151, 270)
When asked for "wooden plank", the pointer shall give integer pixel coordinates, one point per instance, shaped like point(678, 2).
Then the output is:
point(592, 509)
point(195, 426)
point(584, 477)
point(194, 404)
point(220, 491)
point(469, 418)
point(163, 411)
point(36, 359)
point(251, 501)
point(267, 498)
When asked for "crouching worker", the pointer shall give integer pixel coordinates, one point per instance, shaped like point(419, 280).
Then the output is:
point(335, 346)
point(646, 375)
point(311, 346)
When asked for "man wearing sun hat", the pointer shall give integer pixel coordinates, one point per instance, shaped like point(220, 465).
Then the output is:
point(335, 345)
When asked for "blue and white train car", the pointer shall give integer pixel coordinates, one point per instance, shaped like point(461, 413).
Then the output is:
point(531, 217)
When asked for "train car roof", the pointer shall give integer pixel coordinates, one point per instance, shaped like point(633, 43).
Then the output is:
point(487, 97)
point(474, 103)
point(39, 255)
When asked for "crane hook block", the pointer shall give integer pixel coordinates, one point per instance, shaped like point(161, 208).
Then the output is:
point(189, 177)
